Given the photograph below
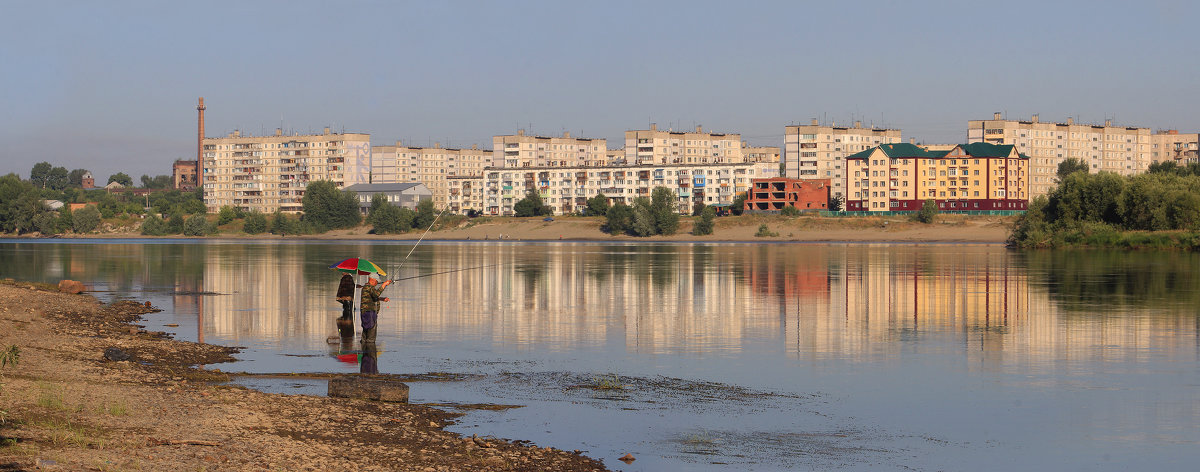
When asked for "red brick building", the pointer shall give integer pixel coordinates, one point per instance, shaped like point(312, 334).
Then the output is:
point(775, 193)
point(183, 175)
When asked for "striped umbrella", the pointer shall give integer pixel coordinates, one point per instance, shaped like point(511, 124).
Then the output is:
point(358, 266)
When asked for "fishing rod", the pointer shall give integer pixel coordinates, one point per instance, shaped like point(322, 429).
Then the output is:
point(422, 238)
point(446, 272)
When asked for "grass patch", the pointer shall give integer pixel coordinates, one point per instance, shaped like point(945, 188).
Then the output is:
point(117, 408)
point(66, 433)
point(607, 382)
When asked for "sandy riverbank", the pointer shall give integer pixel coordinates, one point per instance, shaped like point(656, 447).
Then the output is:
point(68, 408)
point(949, 228)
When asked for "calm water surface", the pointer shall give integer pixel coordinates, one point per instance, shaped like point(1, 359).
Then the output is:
point(732, 356)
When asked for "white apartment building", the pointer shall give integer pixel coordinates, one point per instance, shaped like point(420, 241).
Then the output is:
point(1119, 149)
point(654, 146)
point(567, 189)
point(519, 151)
point(465, 193)
point(819, 151)
point(761, 153)
point(268, 173)
point(431, 166)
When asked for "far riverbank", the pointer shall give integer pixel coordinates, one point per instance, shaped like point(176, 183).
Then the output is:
point(948, 229)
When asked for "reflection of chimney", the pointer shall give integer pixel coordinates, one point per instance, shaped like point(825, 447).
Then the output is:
point(200, 144)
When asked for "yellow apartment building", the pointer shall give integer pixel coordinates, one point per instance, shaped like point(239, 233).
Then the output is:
point(1173, 146)
point(968, 177)
point(268, 173)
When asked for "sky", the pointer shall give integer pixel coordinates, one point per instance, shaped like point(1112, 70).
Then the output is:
point(112, 86)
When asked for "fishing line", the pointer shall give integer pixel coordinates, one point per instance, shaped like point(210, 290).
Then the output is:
point(422, 238)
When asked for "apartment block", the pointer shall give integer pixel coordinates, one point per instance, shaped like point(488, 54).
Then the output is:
point(520, 150)
point(465, 193)
point(268, 173)
point(900, 177)
point(567, 189)
point(760, 153)
point(818, 151)
point(428, 165)
point(1120, 149)
point(1173, 146)
point(657, 147)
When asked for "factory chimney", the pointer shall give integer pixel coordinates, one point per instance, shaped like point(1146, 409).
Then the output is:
point(200, 145)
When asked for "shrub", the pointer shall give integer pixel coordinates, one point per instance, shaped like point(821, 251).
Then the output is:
point(765, 232)
point(197, 225)
point(705, 225)
point(46, 223)
point(226, 215)
point(598, 205)
point(928, 212)
point(86, 219)
point(154, 226)
point(256, 223)
point(392, 219)
point(175, 224)
point(789, 210)
point(618, 219)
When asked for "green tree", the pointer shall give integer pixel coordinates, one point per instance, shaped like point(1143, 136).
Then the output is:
point(705, 225)
point(86, 219)
point(326, 207)
point(226, 215)
point(1070, 166)
point(256, 223)
point(121, 178)
point(154, 226)
point(58, 178)
point(425, 215)
point(20, 202)
point(531, 205)
point(765, 232)
point(175, 223)
point(39, 176)
point(378, 202)
point(66, 220)
point(618, 219)
point(46, 223)
point(597, 205)
point(664, 209)
point(281, 224)
point(75, 178)
point(698, 208)
point(643, 223)
point(197, 225)
point(392, 219)
point(158, 181)
point(928, 212)
point(789, 211)
point(739, 202)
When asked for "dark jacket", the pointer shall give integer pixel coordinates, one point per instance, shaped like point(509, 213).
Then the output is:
point(346, 288)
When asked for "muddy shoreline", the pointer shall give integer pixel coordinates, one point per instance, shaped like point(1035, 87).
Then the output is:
point(66, 407)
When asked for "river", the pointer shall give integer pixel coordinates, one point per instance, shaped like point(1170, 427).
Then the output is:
point(721, 356)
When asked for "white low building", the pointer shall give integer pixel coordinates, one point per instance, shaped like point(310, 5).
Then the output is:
point(405, 194)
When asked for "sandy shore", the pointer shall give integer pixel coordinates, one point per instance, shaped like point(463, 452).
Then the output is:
point(65, 407)
point(949, 228)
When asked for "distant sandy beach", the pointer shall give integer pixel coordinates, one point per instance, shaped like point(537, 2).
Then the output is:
point(949, 228)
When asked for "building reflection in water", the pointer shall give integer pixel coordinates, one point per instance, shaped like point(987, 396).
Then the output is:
point(858, 302)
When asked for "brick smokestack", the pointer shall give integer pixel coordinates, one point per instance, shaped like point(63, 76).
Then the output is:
point(200, 145)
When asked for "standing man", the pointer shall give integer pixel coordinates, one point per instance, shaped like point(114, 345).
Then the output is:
point(370, 307)
point(345, 296)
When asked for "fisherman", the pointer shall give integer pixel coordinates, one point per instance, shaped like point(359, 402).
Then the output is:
point(345, 296)
point(370, 307)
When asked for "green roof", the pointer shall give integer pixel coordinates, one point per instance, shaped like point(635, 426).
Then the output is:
point(907, 151)
point(987, 149)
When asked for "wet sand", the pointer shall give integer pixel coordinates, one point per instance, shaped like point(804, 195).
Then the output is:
point(67, 407)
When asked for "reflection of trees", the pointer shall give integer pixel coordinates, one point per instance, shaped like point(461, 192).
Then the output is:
point(1082, 280)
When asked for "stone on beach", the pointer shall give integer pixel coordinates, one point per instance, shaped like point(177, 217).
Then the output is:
point(70, 286)
point(371, 389)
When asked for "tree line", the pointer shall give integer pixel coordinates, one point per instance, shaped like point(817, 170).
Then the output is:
point(1106, 209)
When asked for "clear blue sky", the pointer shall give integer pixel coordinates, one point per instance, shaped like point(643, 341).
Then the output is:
point(112, 86)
